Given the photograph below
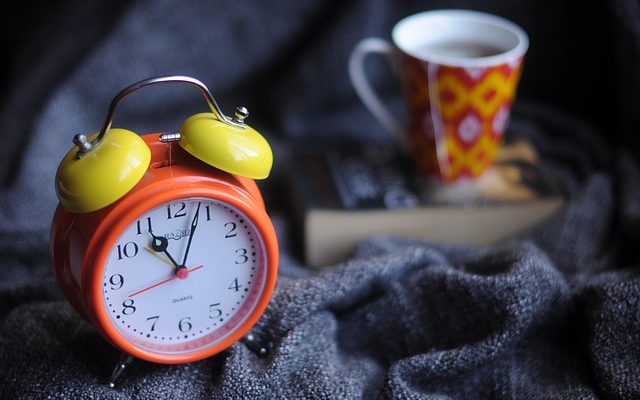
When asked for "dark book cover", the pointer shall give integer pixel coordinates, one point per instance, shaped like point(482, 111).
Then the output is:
point(360, 176)
point(355, 176)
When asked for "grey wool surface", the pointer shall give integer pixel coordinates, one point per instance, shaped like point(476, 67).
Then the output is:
point(551, 314)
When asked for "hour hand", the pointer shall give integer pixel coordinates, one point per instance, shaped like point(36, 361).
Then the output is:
point(160, 255)
point(160, 244)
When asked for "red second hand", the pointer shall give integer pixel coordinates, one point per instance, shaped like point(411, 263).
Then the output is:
point(162, 282)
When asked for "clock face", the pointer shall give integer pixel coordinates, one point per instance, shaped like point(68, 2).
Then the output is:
point(184, 276)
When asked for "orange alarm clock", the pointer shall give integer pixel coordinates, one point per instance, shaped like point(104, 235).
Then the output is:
point(162, 242)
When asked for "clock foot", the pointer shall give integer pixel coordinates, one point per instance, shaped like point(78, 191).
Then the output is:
point(118, 370)
point(256, 344)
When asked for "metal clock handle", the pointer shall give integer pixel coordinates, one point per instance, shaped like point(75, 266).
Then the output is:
point(85, 145)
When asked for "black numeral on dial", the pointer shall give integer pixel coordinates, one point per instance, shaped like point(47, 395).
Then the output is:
point(155, 320)
point(234, 285)
point(242, 256)
point(128, 307)
point(185, 324)
point(129, 250)
point(116, 281)
point(140, 224)
point(231, 226)
point(178, 209)
point(214, 311)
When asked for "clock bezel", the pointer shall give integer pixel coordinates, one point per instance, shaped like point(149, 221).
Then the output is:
point(126, 212)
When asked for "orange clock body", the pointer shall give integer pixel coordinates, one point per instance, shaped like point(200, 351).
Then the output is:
point(80, 243)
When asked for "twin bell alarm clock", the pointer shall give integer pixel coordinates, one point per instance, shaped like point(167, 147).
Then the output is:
point(162, 241)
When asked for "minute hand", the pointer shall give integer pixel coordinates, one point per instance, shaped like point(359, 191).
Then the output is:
point(194, 224)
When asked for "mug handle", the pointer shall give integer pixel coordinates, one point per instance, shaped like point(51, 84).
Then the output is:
point(363, 87)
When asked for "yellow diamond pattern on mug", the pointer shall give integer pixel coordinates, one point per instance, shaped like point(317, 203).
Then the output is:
point(478, 98)
point(484, 96)
point(472, 160)
point(453, 96)
point(460, 112)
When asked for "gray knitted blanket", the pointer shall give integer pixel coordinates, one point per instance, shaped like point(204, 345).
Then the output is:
point(553, 314)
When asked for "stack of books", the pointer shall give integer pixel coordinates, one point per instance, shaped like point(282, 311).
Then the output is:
point(344, 192)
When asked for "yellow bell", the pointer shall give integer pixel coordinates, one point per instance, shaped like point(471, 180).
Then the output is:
point(239, 151)
point(104, 174)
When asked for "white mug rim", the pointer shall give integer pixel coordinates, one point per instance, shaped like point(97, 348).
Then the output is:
point(510, 55)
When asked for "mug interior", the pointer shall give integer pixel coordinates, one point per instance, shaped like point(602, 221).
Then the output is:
point(460, 38)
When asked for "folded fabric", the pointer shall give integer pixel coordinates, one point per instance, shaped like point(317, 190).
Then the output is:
point(552, 314)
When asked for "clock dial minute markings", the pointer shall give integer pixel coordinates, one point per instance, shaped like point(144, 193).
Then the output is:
point(163, 281)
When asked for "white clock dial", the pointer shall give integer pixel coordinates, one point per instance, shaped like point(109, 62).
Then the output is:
point(165, 303)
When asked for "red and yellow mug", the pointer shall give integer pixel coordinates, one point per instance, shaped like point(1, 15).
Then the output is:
point(459, 70)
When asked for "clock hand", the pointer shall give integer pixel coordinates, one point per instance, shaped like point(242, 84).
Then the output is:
point(194, 223)
point(160, 256)
point(165, 281)
point(160, 244)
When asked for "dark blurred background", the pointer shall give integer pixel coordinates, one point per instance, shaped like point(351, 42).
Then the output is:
point(287, 60)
